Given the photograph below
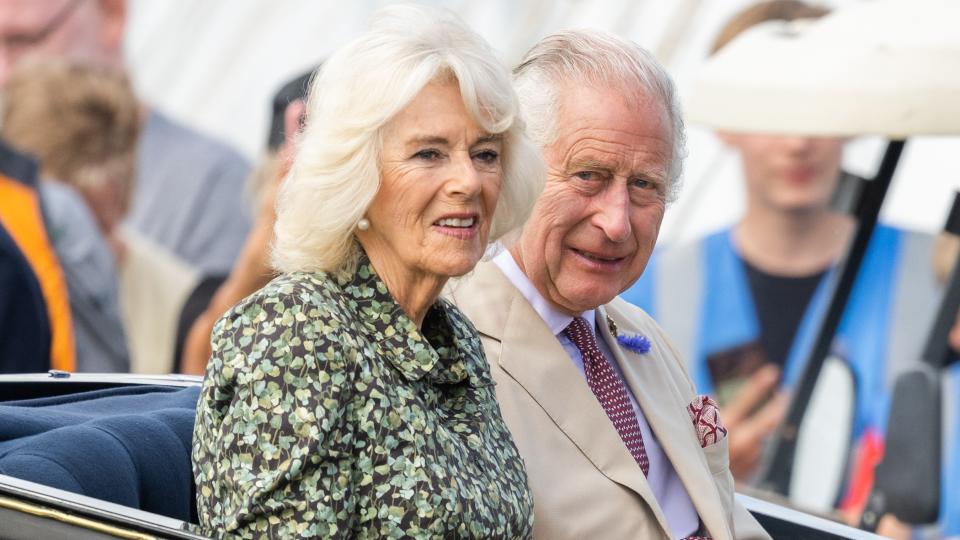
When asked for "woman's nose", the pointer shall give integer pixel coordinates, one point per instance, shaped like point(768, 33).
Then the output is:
point(463, 178)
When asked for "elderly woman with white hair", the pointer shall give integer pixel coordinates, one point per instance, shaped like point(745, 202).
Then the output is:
point(345, 399)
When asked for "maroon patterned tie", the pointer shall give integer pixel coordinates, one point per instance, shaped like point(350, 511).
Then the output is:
point(609, 389)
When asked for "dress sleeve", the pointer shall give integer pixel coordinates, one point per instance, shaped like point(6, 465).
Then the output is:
point(272, 444)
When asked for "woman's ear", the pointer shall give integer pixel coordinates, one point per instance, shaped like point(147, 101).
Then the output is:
point(293, 117)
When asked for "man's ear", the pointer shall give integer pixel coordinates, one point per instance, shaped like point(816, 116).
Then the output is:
point(114, 13)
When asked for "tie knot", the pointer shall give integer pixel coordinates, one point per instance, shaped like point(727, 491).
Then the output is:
point(581, 334)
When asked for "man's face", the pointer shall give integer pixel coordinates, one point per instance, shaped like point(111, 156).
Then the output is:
point(596, 222)
point(73, 28)
point(788, 173)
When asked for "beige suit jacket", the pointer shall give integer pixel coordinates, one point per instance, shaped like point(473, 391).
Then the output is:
point(585, 482)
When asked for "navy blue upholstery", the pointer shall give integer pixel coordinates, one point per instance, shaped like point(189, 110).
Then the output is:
point(128, 445)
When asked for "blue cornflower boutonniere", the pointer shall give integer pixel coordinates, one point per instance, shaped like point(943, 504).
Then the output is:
point(636, 343)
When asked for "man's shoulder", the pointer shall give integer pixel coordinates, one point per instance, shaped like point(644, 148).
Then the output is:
point(485, 275)
point(484, 295)
point(631, 319)
point(623, 312)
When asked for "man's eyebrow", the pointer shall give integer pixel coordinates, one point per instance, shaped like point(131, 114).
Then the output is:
point(589, 163)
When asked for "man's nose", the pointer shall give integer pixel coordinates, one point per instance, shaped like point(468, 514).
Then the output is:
point(612, 212)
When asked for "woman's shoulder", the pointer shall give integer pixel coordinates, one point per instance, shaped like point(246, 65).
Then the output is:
point(315, 293)
point(308, 286)
point(303, 312)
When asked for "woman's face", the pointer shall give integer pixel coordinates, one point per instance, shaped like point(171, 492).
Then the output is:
point(440, 177)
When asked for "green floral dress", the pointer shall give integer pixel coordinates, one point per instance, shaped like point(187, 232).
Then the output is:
point(326, 413)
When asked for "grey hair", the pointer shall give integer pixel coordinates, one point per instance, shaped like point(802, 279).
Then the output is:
point(601, 59)
point(359, 89)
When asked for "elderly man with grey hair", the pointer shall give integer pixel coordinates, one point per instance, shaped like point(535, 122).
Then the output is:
point(616, 441)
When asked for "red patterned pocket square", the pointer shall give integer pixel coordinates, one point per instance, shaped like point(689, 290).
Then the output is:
point(706, 420)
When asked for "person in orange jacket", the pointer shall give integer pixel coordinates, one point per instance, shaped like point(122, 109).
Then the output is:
point(23, 224)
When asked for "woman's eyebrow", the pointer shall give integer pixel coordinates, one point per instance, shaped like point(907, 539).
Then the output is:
point(428, 139)
point(440, 140)
point(489, 138)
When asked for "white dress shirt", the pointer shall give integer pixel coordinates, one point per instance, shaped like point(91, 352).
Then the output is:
point(666, 485)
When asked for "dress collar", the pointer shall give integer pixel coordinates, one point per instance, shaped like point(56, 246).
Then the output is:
point(435, 352)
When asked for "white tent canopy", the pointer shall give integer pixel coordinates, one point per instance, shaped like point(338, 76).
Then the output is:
point(215, 65)
point(887, 68)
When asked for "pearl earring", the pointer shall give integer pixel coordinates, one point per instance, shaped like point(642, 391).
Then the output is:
point(363, 224)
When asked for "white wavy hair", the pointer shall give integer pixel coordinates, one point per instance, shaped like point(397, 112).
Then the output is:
point(601, 59)
point(359, 89)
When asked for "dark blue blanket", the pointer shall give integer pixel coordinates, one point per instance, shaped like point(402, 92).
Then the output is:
point(128, 445)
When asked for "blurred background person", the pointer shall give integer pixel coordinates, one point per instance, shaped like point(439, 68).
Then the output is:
point(24, 327)
point(743, 303)
point(213, 297)
point(188, 193)
point(948, 525)
point(413, 156)
point(25, 322)
point(82, 127)
point(23, 216)
point(83, 123)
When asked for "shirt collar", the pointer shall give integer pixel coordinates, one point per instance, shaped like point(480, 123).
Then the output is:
point(555, 319)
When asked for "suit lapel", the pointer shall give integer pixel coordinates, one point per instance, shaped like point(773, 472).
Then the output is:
point(665, 410)
point(532, 356)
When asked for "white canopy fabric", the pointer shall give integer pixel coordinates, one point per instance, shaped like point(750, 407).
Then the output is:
point(889, 68)
point(215, 64)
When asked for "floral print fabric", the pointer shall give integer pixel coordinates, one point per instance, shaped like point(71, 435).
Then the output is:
point(327, 413)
